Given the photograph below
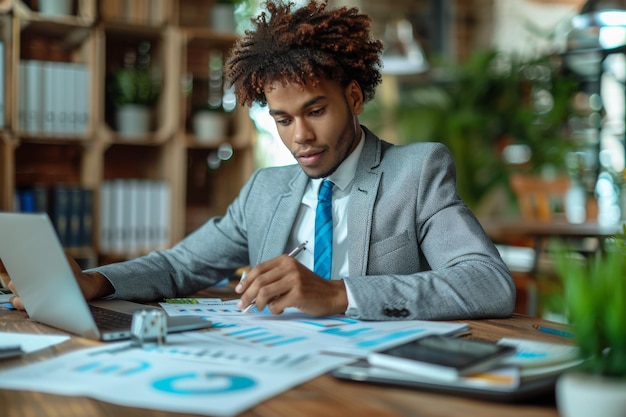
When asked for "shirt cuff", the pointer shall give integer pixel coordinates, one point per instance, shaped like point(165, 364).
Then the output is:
point(352, 305)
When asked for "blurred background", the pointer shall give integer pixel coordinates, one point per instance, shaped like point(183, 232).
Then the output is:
point(509, 85)
point(116, 121)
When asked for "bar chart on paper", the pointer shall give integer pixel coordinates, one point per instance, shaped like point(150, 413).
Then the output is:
point(225, 355)
point(265, 337)
point(200, 307)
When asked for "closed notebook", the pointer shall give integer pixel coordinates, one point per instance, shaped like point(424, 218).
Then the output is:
point(536, 359)
point(442, 357)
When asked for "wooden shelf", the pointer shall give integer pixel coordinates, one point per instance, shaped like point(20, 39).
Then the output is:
point(96, 36)
point(39, 163)
point(84, 14)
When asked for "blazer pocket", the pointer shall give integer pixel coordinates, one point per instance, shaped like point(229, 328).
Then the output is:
point(393, 255)
point(390, 244)
point(396, 254)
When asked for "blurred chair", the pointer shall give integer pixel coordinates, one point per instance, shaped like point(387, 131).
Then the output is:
point(540, 199)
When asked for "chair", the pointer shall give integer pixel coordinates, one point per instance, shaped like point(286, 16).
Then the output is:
point(541, 199)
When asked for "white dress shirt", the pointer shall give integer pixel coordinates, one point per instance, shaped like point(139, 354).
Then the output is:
point(304, 226)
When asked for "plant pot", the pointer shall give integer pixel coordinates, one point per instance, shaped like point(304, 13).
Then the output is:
point(223, 18)
point(209, 127)
point(575, 201)
point(584, 395)
point(55, 7)
point(133, 120)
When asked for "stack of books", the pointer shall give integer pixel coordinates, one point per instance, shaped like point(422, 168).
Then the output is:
point(70, 207)
point(134, 216)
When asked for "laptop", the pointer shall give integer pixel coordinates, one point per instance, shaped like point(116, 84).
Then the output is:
point(34, 259)
point(5, 295)
point(5, 292)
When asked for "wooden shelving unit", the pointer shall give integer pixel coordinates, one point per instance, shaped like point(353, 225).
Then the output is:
point(96, 36)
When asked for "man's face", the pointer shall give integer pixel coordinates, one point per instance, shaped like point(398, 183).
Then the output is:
point(318, 124)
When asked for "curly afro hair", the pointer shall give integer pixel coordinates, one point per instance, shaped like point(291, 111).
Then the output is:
point(304, 45)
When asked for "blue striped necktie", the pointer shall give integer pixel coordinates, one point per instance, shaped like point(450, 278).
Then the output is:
point(324, 230)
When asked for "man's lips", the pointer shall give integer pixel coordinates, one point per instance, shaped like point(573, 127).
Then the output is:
point(310, 157)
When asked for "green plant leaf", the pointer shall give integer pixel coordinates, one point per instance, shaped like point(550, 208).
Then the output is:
point(594, 299)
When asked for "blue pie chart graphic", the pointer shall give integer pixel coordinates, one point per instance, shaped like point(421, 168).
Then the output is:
point(210, 383)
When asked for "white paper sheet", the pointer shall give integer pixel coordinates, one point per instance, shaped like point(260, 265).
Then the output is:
point(243, 360)
point(31, 342)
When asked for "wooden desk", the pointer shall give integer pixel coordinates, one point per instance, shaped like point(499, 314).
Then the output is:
point(507, 230)
point(585, 238)
point(322, 396)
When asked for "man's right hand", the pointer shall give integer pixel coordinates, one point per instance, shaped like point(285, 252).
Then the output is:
point(92, 284)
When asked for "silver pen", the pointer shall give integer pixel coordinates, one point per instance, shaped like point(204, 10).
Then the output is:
point(294, 252)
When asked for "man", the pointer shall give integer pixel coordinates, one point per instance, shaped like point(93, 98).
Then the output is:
point(404, 245)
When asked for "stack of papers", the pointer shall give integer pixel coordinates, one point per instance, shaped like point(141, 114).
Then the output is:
point(242, 360)
point(16, 344)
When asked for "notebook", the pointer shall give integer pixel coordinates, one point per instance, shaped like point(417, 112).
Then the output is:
point(35, 261)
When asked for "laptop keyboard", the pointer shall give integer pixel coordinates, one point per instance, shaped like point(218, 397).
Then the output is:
point(110, 320)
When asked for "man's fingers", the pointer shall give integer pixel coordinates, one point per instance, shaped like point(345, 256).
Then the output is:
point(16, 302)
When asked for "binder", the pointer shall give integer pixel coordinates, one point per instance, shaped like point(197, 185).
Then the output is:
point(2, 87)
point(34, 96)
point(49, 98)
point(104, 223)
point(59, 212)
point(81, 99)
point(21, 97)
point(75, 212)
point(86, 218)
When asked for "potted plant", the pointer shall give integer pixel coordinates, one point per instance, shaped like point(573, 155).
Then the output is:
point(210, 103)
point(132, 90)
point(56, 7)
point(223, 15)
point(209, 124)
point(593, 298)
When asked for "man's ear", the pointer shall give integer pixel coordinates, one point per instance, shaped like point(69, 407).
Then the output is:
point(354, 97)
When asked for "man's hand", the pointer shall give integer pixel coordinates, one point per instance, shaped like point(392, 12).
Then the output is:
point(93, 285)
point(284, 282)
point(15, 301)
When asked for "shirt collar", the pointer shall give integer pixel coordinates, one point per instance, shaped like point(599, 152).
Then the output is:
point(344, 174)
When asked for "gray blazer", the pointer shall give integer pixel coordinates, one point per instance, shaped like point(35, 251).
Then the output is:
point(416, 250)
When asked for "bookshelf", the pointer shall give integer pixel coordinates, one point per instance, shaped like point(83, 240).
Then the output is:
point(83, 51)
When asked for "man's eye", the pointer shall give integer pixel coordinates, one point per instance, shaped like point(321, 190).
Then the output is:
point(283, 122)
point(317, 112)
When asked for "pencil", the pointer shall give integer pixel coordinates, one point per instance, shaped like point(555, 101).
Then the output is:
point(550, 330)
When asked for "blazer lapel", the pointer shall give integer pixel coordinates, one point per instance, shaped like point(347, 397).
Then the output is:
point(285, 211)
point(361, 206)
